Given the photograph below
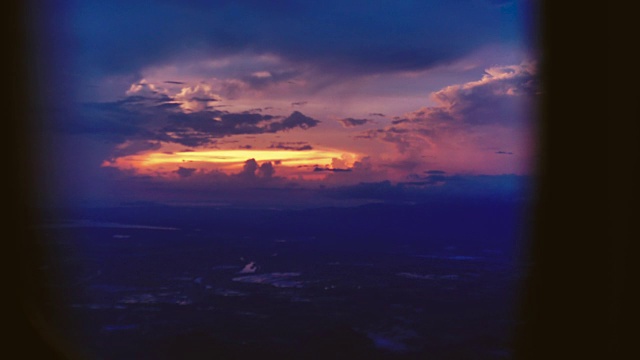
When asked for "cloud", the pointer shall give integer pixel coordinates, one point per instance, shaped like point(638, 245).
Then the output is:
point(249, 169)
point(504, 152)
point(158, 117)
point(317, 169)
point(135, 147)
point(402, 138)
point(113, 122)
point(295, 120)
point(497, 98)
point(266, 170)
point(123, 37)
point(291, 145)
point(435, 172)
point(185, 172)
point(144, 90)
point(200, 99)
point(430, 179)
point(196, 98)
point(406, 164)
point(198, 128)
point(494, 99)
point(350, 122)
point(502, 100)
point(224, 49)
point(252, 172)
point(262, 79)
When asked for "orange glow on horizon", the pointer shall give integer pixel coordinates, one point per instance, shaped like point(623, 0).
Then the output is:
point(230, 160)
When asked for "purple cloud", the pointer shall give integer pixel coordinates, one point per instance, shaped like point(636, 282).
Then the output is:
point(351, 122)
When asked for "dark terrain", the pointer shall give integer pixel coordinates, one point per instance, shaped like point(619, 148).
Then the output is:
point(373, 282)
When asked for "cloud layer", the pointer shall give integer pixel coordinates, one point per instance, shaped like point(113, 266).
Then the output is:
point(390, 91)
point(470, 122)
point(146, 117)
point(353, 36)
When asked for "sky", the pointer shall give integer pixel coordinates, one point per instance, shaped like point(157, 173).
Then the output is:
point(283, 103)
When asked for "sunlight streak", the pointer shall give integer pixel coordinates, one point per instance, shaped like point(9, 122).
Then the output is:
point(230, 159)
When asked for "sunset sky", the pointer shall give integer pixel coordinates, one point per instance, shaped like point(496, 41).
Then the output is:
point(283, 102)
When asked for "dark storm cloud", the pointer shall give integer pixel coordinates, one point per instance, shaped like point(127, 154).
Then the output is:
point(199, 99)
point(396, 130)
point(249, 169)
point(139, 118)
point(296, 119)
point(252, 172)
point(350, 122)
point(169, 105)
point(357, 36)
point(186, 138)
point(366, 135)
point(199, 127)
point(185, 172)
point(266, 170)
point(317, 169)
point(113, 122)
point(135, 147)
point(399, 121)
point(244, 118)
point(292, 145)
